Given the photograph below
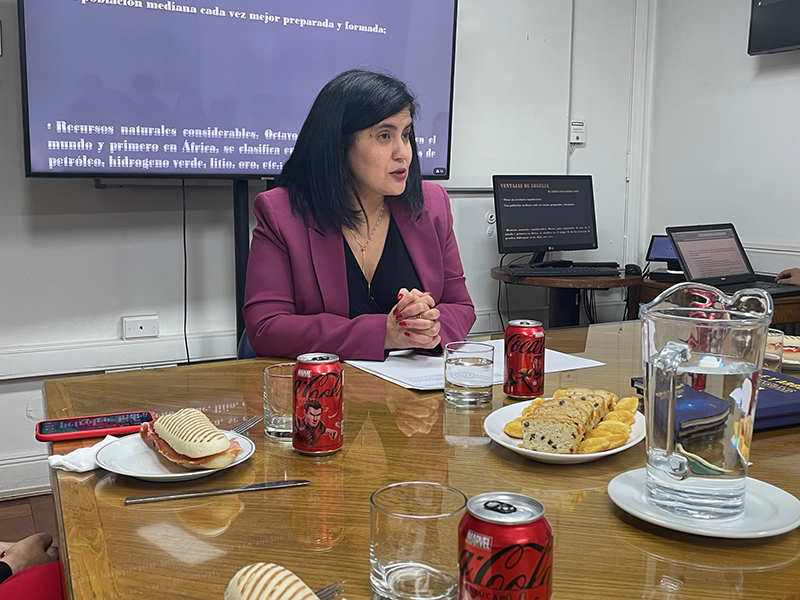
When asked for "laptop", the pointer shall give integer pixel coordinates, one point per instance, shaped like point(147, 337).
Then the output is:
point(713, 254)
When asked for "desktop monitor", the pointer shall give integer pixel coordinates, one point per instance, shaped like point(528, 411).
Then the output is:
point(774, 26)
point(540, 213)
point(660, 250)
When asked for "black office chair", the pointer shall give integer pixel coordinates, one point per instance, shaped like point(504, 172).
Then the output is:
point(244, 349)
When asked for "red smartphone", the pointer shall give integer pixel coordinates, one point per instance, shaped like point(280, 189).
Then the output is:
point(75, 428)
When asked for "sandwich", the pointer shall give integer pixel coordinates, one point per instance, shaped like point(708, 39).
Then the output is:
point(791, 347)
point(190, 440)
point(266, 581)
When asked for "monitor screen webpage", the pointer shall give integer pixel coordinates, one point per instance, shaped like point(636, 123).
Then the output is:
point(202, 89)
point(538, 213)
point(710, 253)
point(660, 250)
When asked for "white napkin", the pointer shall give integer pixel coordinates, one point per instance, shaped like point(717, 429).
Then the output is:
point(80, 460)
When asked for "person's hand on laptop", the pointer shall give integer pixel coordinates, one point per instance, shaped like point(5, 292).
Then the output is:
point(789, 276)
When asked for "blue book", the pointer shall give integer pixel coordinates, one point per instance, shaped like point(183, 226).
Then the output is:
point(778, 405)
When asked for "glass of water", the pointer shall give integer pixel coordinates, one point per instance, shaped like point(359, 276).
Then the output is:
point(414, 541)
point(468, 373)
point(773, 357)
point(278, 401)
point(702, 353)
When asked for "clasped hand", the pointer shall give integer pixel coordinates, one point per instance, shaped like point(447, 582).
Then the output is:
point(34, 550)
point(413, 322)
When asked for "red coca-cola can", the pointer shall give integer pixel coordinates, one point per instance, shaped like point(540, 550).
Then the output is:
point(317, 410)
point(505, 549)
point(524, 349)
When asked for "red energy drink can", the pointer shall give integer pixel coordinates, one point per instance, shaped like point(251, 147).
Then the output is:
point(505, 549)
point(317, 410)
point(524, 347)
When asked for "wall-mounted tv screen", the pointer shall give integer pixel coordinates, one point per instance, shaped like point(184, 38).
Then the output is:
point(774, 26)
point(203, 88)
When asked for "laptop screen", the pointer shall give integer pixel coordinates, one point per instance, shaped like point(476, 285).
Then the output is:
point(710, 252)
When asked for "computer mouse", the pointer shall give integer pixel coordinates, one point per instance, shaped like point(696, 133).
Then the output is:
point(633, 269)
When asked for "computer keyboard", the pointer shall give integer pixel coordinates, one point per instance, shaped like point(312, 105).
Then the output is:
point(573, 271)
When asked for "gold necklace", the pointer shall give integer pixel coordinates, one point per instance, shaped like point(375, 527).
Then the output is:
point(369, 239)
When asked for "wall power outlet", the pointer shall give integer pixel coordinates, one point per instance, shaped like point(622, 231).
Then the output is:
point(143, 326)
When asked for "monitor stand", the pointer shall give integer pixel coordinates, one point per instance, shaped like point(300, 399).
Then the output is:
point(537, 257)
point(537, 260)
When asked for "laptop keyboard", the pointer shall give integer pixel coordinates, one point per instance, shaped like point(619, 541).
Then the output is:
point(762, 285)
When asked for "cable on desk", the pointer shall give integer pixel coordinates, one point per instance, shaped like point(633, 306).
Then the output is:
point(185, 275)
point(508, 304)
point(587, 298)
point(499, 290)
point(584, 300)
point(625, 296)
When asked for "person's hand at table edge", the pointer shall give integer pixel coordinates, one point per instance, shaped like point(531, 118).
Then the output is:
point(789, 276)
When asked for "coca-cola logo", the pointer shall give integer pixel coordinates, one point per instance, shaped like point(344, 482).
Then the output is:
point(324, 385)
point(516, 345)
point(515, 567)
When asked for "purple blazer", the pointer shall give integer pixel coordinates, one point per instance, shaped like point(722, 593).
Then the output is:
point(296, 298)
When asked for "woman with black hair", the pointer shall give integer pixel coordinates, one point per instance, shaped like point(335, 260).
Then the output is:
point(353, 253)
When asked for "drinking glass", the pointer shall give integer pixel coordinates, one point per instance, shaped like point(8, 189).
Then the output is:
point(702, 352)
point(773, 357)
point(413, 548)
point(278, 401)
point(468, 373)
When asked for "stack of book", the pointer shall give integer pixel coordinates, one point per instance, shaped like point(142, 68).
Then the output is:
point(700, 413)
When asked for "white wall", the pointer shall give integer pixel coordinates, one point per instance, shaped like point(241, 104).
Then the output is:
point(724, 136)
point(602, 87)
point(596, 54)
point(75, 259)
point(512, 78)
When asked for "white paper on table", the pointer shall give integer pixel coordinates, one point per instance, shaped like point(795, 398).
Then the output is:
point(420, 372)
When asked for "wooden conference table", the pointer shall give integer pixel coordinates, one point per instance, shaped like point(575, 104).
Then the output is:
point(189, 549)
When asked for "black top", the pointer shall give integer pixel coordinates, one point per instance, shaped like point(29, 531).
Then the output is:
point(5, 571)
point(394, 271)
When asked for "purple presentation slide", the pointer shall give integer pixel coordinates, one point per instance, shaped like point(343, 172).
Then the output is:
point(216, 88)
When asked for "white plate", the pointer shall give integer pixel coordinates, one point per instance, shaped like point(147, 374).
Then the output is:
point(790, 365)
point(768, 510)
point(495, 422)
point(131, 456)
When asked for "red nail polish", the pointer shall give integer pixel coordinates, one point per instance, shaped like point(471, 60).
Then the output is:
point(399, 316)
point(394, 312)
point(403, 323)
point(405, 333)
point(399, 296)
